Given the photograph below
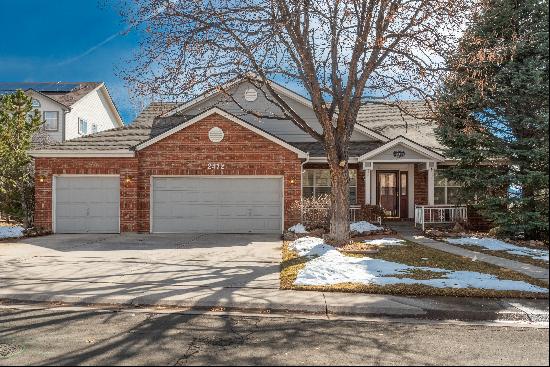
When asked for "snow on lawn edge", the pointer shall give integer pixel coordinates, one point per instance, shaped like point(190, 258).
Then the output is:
point(363, 226)
point(492, 244)
point(11, 231)
point(331, 267)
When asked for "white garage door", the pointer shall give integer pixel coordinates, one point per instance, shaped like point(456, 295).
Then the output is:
point(216, 205)
point(87, 204)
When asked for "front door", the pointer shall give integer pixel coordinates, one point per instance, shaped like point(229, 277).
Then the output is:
point(388, 192)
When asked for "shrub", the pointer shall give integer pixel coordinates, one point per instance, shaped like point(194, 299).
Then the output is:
point(370, 213)
point(313, 212)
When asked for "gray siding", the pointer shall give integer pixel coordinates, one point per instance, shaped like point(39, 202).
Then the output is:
point(285, 130)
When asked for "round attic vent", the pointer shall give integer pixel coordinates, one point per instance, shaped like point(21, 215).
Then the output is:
point(215, 135)
point(250, 95)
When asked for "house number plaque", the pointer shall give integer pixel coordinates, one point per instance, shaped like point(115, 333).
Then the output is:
point(398, 153)
point(216, 166)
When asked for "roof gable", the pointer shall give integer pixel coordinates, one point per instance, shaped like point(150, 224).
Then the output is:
point(402, 149)
point(302, 106)
point(230, 117)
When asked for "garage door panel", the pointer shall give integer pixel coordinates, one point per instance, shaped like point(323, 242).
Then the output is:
point(182, 210)
point(213, 204)
point(71, 209)
point(268, 211)
point(87, 204)
point(103, 209)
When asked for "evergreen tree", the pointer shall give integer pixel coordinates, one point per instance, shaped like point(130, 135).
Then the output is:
point(18, 123)
point(493, 115)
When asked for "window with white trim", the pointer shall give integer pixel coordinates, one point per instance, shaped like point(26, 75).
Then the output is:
point(82, 127)
point(51, 120)
point(316, 182)
point(445, 191)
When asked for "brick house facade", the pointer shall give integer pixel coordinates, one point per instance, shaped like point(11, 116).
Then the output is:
point(167, 167)
point(184, 153)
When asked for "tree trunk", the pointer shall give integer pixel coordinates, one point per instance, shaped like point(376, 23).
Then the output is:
point(339, 210)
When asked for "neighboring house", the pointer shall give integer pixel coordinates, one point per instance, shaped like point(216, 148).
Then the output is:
point(69, 109)
point(205, 166)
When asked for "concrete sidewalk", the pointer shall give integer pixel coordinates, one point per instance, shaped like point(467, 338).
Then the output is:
point(410, 234)
point(235, 272)
point(281, 301)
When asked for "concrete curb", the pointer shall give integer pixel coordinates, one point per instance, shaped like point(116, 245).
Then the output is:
point(529, 311)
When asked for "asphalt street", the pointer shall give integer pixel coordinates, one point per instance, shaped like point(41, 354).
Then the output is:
point(85, 336)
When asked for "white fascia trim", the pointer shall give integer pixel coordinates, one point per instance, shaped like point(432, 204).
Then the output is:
point(216, 110)
point(371, 133)
point(52, 153)
point(325, 160)
point(63, 107)
point(105, 91)
point(408, 143)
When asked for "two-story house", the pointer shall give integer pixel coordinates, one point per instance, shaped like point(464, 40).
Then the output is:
point(69, 109)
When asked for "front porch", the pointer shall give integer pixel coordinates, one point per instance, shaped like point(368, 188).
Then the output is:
point(399, 177)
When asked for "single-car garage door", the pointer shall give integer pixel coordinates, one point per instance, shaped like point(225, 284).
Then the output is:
point(216, 205)
point(87, 204)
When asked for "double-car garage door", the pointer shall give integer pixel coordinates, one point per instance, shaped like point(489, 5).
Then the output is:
point(90, 204)
point(216, 204)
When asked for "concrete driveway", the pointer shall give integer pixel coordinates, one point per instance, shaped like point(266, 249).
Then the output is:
point(91, 267)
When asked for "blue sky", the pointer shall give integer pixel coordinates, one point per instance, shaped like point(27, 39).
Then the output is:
point(66, 40)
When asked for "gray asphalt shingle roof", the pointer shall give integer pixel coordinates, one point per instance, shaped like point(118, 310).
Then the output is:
point(389, 121)
point(145, 127)
point(409, 121)
point(66, 98)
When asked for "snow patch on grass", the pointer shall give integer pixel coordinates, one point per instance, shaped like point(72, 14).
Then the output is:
point(332, 267)
point(310, 246)
point(363, 226)
point(10, 231)
point(385, 242)
point(493, 244)
point(298, 228)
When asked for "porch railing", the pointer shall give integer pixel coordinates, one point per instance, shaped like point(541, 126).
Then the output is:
point(439, 214)
point(353, 212)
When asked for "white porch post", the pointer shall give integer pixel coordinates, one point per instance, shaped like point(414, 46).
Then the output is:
point(431, 181)
point(367, 185)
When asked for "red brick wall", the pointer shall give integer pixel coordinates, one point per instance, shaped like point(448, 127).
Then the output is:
point(186, 152)
point(125, 167)
point(420, 186)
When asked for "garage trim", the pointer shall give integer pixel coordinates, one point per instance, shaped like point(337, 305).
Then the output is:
point(54, 201)
point(281, 177)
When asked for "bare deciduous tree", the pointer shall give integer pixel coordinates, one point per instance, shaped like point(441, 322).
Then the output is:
point(341, 52)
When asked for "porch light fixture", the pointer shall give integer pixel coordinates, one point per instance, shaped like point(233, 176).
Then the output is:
point(128, 178)
point(41, 178)
point(292, 180)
